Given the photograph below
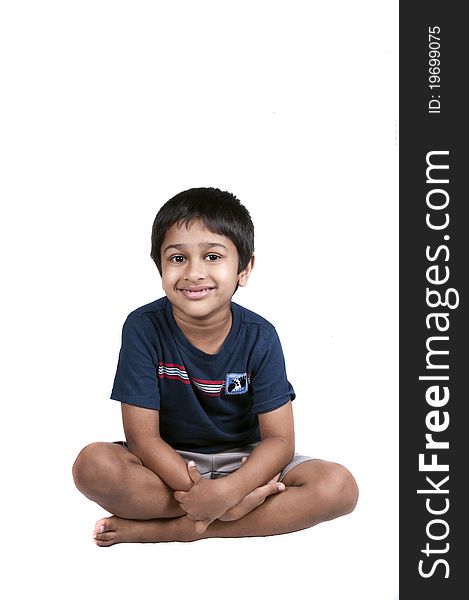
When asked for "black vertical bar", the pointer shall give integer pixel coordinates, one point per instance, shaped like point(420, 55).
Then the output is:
point(433, 262)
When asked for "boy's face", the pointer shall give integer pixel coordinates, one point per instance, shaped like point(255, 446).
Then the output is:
point(200, 271)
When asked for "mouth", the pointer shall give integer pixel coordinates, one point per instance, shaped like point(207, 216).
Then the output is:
point(196, 293)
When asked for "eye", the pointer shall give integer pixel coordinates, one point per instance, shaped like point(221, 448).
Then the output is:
point(212, 257)
point(177, 258)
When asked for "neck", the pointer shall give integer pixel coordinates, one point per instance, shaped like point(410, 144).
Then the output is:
point(208, 333)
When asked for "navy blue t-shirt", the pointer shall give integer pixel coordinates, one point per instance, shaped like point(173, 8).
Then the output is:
point(207, 402)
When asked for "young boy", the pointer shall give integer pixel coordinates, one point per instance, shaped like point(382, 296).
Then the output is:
point(206, 403)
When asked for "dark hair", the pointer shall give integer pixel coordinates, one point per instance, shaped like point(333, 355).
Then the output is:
point(221, 212)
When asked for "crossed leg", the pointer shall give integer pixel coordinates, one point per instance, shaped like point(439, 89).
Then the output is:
point(145, 511)
point(116, 479)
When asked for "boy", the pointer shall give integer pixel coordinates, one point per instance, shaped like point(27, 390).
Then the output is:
point(206, 403)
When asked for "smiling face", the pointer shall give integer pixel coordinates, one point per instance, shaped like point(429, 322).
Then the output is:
point(200, 272)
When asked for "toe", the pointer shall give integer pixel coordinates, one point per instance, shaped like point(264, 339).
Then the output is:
point(105, 537)
point(103, 525)
point(104, 543)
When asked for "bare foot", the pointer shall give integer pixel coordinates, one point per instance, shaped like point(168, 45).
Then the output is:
point(114, 530)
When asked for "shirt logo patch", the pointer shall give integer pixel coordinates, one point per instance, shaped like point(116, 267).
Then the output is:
point(236, 383)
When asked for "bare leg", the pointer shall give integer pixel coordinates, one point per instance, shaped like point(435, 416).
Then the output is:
point(316, 491)
point(116, 479)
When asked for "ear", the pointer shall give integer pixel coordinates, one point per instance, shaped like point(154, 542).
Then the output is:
point(245, 273)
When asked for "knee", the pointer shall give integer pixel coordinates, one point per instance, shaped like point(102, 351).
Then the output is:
point(339, 490)
point(93, 466)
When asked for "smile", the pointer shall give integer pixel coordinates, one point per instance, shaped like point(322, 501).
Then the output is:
point(196, 293)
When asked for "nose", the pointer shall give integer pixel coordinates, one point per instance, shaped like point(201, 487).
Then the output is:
point(195, 270)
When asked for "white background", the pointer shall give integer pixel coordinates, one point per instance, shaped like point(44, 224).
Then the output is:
point(107, 110)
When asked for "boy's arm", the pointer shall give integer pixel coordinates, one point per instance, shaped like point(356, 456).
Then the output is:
point(272, 455)
point(141, 427)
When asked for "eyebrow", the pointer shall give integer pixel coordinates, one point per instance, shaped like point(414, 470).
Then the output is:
point(201, 245)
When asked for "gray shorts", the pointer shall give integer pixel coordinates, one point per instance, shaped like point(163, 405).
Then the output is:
point(220, 464)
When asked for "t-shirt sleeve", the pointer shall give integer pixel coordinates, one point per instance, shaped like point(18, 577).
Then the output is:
point(136, 380)
point(270, 386)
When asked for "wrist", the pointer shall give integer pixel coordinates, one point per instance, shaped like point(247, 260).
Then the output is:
point(229, 488)
point(232, 488)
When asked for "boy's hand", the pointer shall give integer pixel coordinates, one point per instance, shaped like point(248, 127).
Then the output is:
point(245, 506)
point(206, 501)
